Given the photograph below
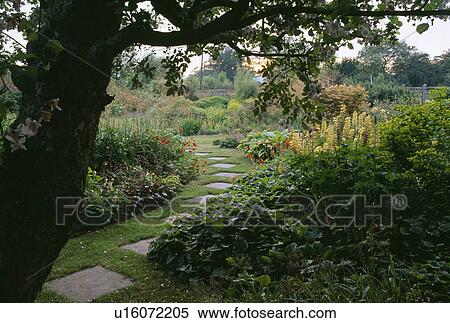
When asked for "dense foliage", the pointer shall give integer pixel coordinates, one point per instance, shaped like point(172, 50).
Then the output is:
point(244, 85)
point(385, 90)
point(353, 97)
point(399, 63)
point(257, 235)
point(264, 145)
point(354, 130)
point(132, 171)
point(232, 141)
point(210, 115)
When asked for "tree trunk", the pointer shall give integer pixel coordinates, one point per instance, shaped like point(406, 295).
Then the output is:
point(56, 160)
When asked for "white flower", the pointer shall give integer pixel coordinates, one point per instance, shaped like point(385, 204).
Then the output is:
point(17, 141)
point(29, 129)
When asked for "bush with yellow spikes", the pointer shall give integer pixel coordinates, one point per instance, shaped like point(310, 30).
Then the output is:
point(360, 129)
point(295, 143)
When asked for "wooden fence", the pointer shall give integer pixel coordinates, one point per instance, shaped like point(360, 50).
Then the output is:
point(422, 91)
point(215, 92)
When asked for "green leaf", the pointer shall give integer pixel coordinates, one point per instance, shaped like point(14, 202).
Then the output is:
point(264, 280)
point(230, 261)
point(266, 259)
point(422, 28)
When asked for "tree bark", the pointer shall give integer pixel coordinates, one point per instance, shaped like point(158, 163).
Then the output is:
point(56, 160)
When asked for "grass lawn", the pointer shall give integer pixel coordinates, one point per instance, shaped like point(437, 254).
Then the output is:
point(102, 247)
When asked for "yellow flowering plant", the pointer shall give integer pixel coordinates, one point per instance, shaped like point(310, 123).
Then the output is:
point(359, 129)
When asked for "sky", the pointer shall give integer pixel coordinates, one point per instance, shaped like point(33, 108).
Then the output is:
point(434, 41)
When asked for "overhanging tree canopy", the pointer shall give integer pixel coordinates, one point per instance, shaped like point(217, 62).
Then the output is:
point(297, 35)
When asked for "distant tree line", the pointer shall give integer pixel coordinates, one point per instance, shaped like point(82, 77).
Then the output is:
point(399, 63)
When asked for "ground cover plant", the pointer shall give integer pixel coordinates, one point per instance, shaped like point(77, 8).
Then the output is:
point(257, 246)
point(231, 141)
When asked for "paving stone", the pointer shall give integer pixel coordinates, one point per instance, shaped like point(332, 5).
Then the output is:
point(217, 158)
point(229, 175)
point(223, 165)
point(201, 154)
point(200, 199)
point(219, 185)
point(140, 247)
point(88, 284)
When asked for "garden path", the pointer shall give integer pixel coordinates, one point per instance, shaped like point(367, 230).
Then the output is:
point(110, 265)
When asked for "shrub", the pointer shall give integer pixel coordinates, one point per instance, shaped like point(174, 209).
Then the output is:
point(117, 195)
point(265, 145)
point(217, 81)
point(102, 202)
point(229, 142)
point(419, 145)
point(162, 153)
point(244, 85)
point(179, 108)
point(382, 90)
point(191, 126)
point(192, 84)
point(212, 101)
point(234, 105)
point(133, 170)
point(356, 130)
point(127, 100)
point(352, 97)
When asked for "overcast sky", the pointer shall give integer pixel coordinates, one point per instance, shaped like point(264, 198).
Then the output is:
point(434, 41)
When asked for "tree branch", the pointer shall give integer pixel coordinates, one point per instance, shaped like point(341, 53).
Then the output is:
point(143, 34)
point(171, 10)
point(280, 10)
point(234, 20)
point(200, 6)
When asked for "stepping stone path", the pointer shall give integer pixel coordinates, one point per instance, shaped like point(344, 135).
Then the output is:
point(88, 284)
point(219, 185)
point(141, 247)
point(91, 283)
point(229, 175)
point(223, 165)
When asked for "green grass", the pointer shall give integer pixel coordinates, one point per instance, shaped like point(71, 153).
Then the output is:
point(150, 283)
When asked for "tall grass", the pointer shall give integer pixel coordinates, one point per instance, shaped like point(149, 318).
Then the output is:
point(136, 123)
